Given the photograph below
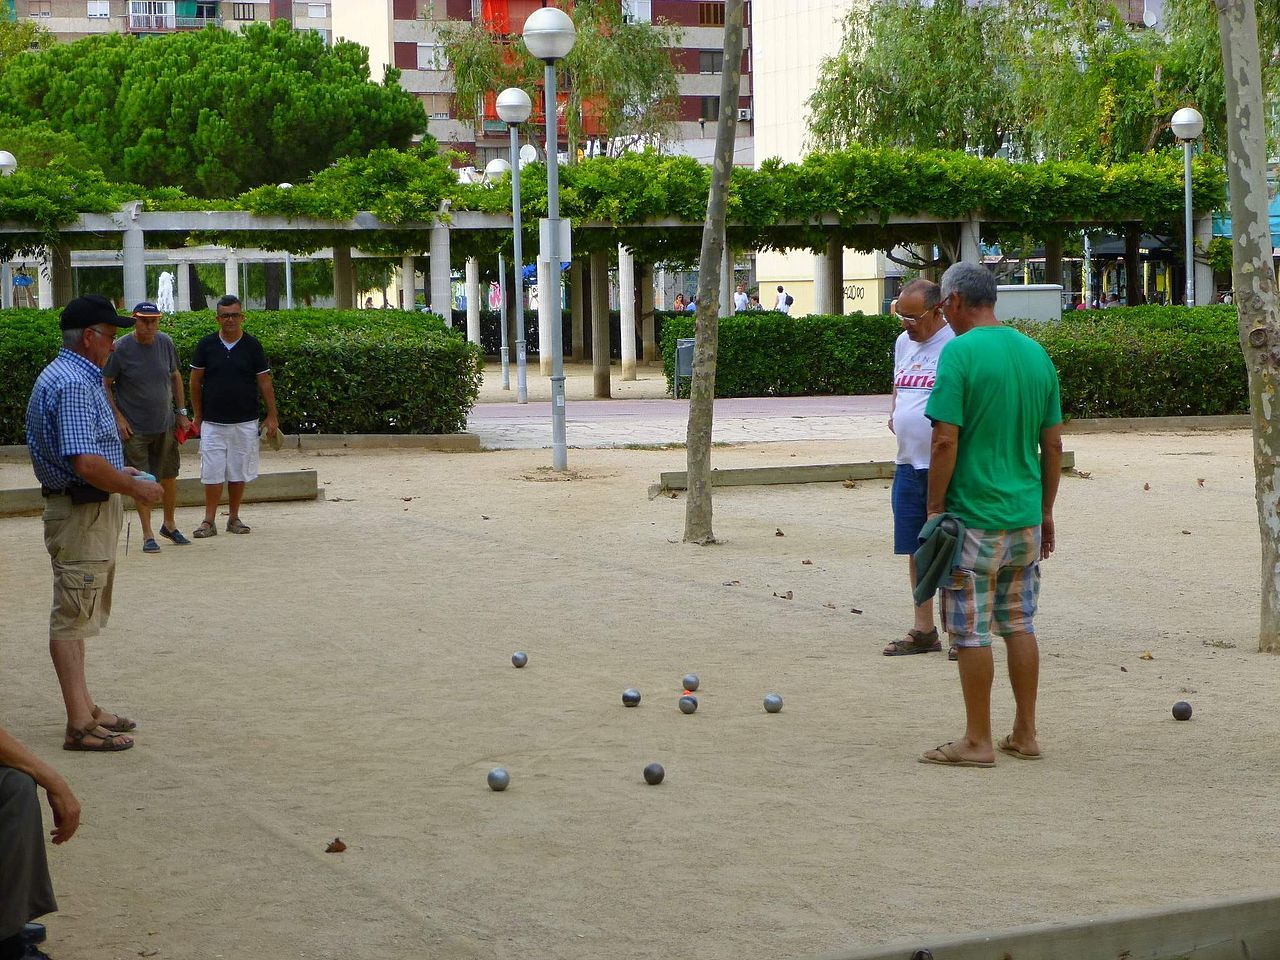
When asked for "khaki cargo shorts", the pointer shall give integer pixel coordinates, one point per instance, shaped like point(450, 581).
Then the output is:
point(81, 541)
point(156, 453)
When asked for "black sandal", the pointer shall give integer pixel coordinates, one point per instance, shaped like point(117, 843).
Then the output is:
point(917, 641)
point(109, 744)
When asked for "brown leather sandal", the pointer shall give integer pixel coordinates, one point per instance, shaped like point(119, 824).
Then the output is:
point(917, 641)
point(122, 724)
point(108, 744)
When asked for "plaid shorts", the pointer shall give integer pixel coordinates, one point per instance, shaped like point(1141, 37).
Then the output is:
point(994, 587)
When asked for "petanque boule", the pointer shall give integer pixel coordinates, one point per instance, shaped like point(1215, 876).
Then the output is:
point(688, 704)
point(690, 682)
point(1182, 710)
point(498, 779)
point(631, 697)
point(519, 659)
point(772, 703)
point(653, 774)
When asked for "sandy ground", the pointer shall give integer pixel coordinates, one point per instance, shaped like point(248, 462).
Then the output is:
point(344, 671)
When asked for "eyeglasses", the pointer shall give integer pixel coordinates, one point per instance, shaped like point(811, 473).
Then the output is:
point(908, 318)
point(109, 336)
point(230, 316)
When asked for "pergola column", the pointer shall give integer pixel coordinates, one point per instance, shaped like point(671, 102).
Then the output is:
point(648, 323)
point(546, 313)
point(1053, 256)
point(408, 282)
point(822, 284)
point(1204, 272)
point(6, 286)
point(600, 323)
point(184, 287)
point(835, 275)
point(61, 287)
point(441, 287)
point(473, 300)
point(726, 281)
point(970, 247)
point(627, 309)
point(44, 295)
point(576, 311)
point(135, 265)
point(344, 293)
point(231, 274)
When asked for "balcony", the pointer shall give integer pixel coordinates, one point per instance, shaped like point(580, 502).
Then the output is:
point(168, 23)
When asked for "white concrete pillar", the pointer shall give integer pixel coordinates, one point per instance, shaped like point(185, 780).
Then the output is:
point(44, 295)
point(441, 290)
point(1204, 272)
point(135, 267)
point(627, 309)
point(184, 287)
point(661, 302)
point(970, 250)
point(6, 286)
point(726, 282)
point(231, 274)
point(546, 299)
point(408, 283)
point(822, 284)
point(473, 300)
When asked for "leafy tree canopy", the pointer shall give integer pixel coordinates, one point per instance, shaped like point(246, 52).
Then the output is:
point(212, 112)
point(21, 36)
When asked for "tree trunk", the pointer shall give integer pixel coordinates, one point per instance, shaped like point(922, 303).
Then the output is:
point(1053, 255)
point(273, 279)
point(577, 308)
point(1255, 282)
point(702, 393)
point(1134, 294)
point(199, 301)
point(600, 324)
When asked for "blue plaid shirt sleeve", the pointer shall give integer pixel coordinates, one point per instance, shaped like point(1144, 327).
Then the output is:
point(79, 417)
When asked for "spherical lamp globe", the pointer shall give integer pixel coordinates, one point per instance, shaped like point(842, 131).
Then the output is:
point(8, 163)
point(549, 33)
point(1187, 123)
point(496, 168)
point(514, 105)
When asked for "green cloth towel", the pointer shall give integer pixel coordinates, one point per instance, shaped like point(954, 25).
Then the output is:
point(940, 545)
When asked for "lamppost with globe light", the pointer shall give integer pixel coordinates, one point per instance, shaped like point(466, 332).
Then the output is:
point(288, 267)
point(8, 164)
point(1187, 126)
point(494, 170)
point(514, 108)
point(549, 34)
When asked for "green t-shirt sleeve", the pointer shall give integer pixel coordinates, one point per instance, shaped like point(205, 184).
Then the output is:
point(946, 400)
point(1053, 403)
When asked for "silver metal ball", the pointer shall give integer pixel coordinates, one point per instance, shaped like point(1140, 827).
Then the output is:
point(688, 704)
point(631, 697)
point(498, 779)
point(519, 659)
point(690, 682)
point(772, 703)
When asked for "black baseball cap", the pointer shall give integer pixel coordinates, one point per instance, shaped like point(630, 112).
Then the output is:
point(147, 309)
point(92, 308)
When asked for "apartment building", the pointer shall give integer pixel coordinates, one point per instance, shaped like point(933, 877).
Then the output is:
point(405, 34)
point(70, 20)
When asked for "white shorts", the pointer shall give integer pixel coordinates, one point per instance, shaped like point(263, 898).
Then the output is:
point(228, 452)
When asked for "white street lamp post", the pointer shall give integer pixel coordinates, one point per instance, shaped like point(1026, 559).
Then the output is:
point(549, 34)
point(494, 169)
point(514, 108)
point(8, 164)
point(1187, 125)
point(288, 267)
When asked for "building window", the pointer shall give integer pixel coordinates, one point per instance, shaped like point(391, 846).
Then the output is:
point(325, 35)
point(637, 11)
point(40, 8)
point(711, 14)
point(711, 61)
point(99, 9)
point(317, 11)
point(710, 108)
point(244, 11)
point(431, 57)
point(439, 106)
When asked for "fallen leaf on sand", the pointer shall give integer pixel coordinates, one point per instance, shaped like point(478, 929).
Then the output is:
point(1124, 669)
point(854, 610)
point(483, 517)
point(1146, 486)
point(1145, 655)
point(779, 533)
point(1187, 532)
point(785, 596)
point(829, 606)
point(1200, 481)
point(807, 563)
point(336, 847)
point(1082, 474)
point(733, 583)
point(675, 496)
point(850, 484)
point(407, 499)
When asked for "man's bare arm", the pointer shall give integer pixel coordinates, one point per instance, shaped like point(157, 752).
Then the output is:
point(122, 423)
point(66, 808)
point(942, 464)
point(1050, 476)
point(98, 472)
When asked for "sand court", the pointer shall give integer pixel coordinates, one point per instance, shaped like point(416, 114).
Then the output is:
point(345, 671)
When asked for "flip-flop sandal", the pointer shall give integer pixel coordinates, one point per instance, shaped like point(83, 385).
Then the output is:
point(108, 744)
point(122, 724)
point(1006, 746)
point(952, 758)
point(917, 641)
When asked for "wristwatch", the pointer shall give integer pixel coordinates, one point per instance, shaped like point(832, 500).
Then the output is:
point(183, 412)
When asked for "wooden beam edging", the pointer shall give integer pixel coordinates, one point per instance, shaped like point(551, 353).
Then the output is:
point(1233, 928)
point(269, 487)
point(800, 473)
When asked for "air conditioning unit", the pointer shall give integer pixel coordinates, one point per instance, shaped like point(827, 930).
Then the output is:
point(744, 113)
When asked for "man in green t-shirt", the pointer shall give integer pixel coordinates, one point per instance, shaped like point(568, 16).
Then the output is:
point(996, 457)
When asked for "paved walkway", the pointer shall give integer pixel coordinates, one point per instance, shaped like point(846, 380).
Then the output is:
point(620, 423)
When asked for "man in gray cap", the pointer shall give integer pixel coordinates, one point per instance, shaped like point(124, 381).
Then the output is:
point(79, 461)
point(144, 388)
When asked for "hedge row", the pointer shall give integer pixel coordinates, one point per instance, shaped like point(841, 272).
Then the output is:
point(1123, 362)
point(335, 371)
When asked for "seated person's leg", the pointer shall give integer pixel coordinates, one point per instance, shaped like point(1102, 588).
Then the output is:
point(26, 891)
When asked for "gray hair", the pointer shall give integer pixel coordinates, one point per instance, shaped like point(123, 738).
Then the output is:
point(71, 338)
point(972, 281)
point(929, 292)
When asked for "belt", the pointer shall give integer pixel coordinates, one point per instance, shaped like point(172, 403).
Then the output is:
point(80, 493)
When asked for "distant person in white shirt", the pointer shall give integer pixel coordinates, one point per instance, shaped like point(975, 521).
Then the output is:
point(740, 300)
point(915, 364)
point(784, 301)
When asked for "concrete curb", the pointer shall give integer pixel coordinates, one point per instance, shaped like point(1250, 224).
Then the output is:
point(433, 442)
point(1234, 927)
point(290, 485)
point(798, 473)
point(1158, 424)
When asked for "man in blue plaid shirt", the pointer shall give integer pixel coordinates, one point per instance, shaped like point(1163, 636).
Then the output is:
point(79, 461)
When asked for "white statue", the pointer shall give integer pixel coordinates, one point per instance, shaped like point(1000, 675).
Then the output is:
point(164, 300)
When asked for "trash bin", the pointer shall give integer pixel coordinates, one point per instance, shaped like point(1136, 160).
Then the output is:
point(684, 362)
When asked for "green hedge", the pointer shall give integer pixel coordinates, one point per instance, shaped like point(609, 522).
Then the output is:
point(1123, 362)
point(335, 371)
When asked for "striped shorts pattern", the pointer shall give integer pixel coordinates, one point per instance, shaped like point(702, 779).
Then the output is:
point(994, 588)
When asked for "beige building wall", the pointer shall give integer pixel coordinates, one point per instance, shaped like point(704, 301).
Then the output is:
point(791, 38)
point(368, 23)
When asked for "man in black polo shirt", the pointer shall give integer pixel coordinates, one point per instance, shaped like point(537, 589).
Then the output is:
point(228, 371)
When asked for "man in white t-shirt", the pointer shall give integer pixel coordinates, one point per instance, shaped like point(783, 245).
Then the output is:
point(740, 298)
point(783, 303)
point(915, 364)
